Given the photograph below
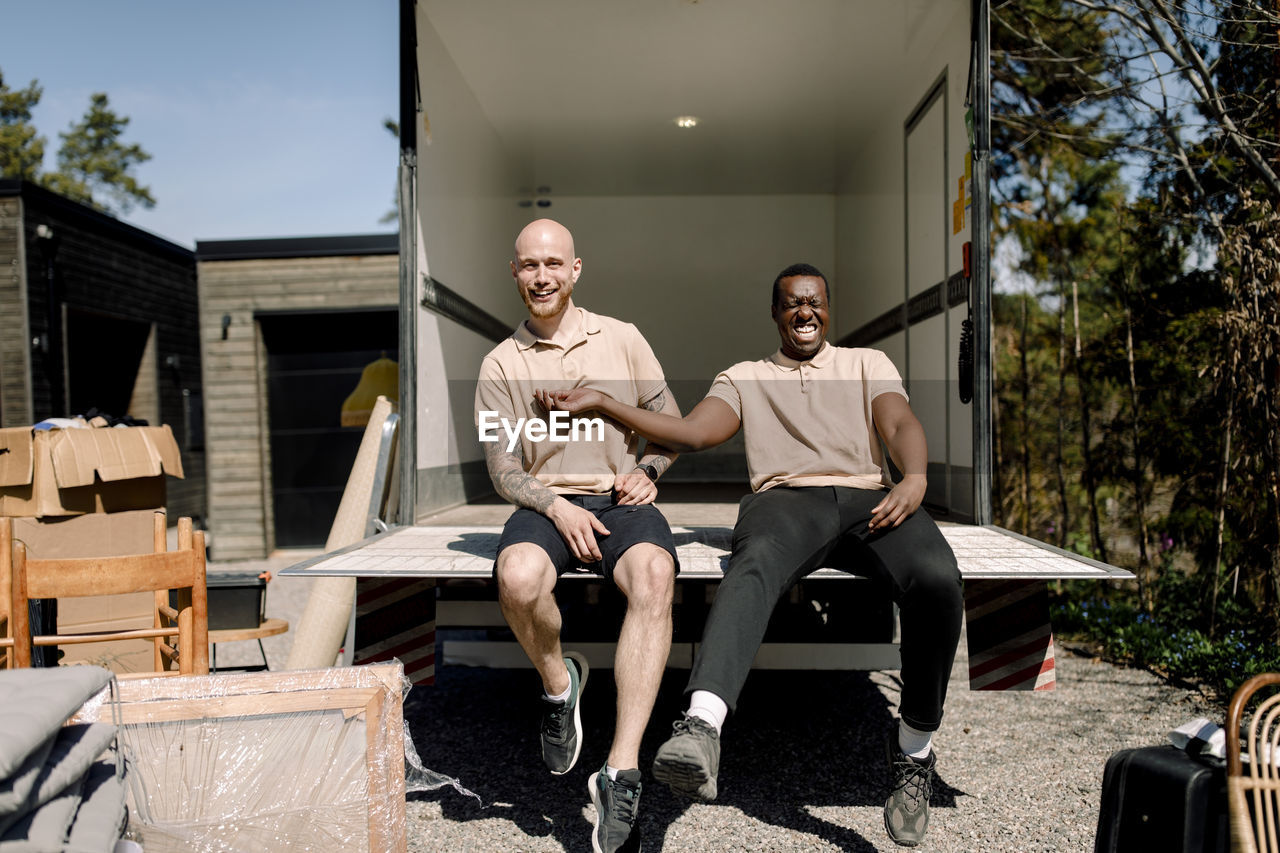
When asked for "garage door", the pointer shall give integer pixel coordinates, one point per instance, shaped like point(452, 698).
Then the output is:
point(314, 362)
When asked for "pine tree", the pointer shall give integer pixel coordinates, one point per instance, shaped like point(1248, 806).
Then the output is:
point(21, 148)
point(94, 164)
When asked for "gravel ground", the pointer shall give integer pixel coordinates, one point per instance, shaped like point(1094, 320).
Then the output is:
point(802, 766)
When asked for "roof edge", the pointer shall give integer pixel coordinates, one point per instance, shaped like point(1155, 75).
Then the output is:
point(297, 247)
point(48, 198)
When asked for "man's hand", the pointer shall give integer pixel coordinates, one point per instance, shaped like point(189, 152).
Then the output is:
point(573, 402)
point(897, 506)
point(635, 488)
point(578, 526)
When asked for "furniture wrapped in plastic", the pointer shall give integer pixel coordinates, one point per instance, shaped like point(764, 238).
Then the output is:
point(267, 761)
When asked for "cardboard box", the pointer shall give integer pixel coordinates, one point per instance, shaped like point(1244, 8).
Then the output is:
point(98, 535)
point(61, 472)
point(105, 534)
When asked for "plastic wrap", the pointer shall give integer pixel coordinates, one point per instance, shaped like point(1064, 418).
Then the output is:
point(268, 761)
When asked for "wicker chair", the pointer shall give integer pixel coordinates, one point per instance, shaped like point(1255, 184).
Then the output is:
point(1252, 791)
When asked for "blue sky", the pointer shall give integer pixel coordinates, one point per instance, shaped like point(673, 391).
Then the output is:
point(263, 119)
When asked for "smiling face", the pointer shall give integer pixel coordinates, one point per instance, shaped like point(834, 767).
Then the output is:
point(544, 268)
point(801, 314)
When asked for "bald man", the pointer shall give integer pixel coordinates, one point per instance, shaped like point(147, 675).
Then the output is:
point(584, 502)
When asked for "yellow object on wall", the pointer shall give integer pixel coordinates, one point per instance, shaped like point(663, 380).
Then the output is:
point(380, 378)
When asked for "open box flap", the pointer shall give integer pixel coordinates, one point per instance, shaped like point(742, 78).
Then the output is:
point(113, 454)
point(15, 456)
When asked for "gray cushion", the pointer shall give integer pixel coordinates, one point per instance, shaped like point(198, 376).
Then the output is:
point(34, 703)
point(101, 818)
point(72, 752)
point(45, 828)
point(16, 790)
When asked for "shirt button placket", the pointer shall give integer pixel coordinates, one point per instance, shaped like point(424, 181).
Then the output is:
point(568, 364)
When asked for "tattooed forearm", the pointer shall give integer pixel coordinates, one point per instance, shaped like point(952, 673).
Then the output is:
point(658, 403)
point(655, 454)
point(512, 483)
point(659, 463)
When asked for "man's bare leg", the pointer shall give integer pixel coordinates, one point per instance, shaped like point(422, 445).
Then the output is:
point(526, 581)
point(646, 575)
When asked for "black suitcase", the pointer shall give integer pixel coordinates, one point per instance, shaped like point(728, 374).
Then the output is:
point(1158, 799)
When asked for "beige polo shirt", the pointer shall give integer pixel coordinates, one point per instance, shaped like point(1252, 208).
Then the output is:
point(808, 423)
point(607, 355)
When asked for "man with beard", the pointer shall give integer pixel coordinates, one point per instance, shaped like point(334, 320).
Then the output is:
point(581, 503)
point(813, 416)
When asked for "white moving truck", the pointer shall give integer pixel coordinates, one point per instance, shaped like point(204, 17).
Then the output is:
point(695, 148)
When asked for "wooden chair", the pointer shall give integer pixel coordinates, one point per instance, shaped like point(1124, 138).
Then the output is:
point(6, 590)
point(1254, 830)
point(182, 570)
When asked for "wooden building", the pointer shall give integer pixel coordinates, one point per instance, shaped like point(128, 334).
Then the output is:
point(286, 329)
point(95, 313)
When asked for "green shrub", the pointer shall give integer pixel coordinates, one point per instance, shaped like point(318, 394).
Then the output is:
point(1174, 640)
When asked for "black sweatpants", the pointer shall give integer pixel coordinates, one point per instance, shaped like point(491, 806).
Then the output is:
point(783, 534)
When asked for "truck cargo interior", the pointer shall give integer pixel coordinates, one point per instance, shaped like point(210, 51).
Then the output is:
point(826, 131)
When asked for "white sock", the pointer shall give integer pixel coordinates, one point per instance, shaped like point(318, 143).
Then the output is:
point(709, 708)
point(561, 697)
point(914, 742)
point(612, 771)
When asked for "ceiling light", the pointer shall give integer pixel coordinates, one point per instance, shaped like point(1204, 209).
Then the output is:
point(686, 121)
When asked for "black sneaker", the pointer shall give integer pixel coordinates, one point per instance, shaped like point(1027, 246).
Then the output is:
point(689, 761)
point(906, 812)
point(616, 801)
point(562, 721)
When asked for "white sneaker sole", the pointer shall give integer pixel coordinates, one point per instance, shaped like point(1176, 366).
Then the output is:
point(583, 669)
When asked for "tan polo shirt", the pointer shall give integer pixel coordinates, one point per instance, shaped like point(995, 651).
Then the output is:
point(808, 423)
point(607, 355)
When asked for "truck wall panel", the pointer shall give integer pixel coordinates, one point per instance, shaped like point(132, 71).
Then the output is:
point(466, 191)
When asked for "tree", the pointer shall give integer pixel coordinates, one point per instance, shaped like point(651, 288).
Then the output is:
point(1179, 284)
point(1056, 184)
point(21, 148)
point(1226, 182)
point(393, 215)
point(93, 162)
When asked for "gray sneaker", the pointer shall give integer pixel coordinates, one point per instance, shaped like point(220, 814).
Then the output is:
point(906, 812)
point(690, 760)
point(562, 721)
point(616, 802)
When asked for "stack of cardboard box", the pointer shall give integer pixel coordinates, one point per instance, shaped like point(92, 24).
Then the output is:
point(90, 492)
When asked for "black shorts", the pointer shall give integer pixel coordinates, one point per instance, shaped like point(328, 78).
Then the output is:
point(628, 525)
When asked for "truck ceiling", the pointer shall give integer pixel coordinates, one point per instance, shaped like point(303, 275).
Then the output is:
point(584, 94)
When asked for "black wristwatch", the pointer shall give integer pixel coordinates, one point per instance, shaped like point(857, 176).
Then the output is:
point(649, 471)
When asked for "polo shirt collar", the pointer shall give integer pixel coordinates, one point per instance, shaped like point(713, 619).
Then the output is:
point(525, 338)
point(824, 357)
